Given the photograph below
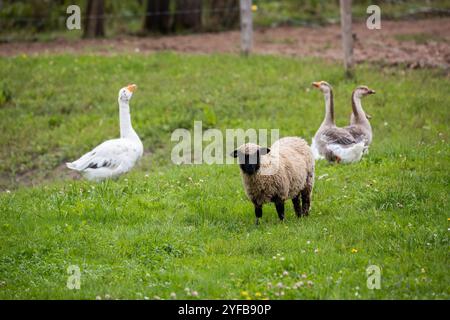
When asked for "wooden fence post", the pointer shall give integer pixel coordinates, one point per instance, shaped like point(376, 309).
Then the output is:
point(347, 36)
point(246, 27)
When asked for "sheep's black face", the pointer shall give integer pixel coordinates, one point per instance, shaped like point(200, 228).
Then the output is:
point(250, 163)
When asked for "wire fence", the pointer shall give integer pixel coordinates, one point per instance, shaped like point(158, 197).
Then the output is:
point(265, 14)
point(126, 15)
point(277, 17)
point(211, 19)
point(270, 13)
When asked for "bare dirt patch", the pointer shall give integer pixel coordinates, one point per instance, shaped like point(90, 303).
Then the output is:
point(421, 43)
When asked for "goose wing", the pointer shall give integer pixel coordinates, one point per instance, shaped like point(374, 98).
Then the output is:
point(357, 133)
point(337, 135)
point(110, 154)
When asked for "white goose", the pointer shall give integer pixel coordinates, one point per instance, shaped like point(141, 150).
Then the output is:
point(117, 156)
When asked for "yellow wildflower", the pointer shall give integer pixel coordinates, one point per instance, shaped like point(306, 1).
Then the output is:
point(244, 293)
point(354, 250)
point(254, 7)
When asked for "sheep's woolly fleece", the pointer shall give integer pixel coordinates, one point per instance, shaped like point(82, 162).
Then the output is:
point(283, 172)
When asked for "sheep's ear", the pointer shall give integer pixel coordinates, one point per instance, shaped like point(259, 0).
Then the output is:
point(263, 151)
point(234, 154)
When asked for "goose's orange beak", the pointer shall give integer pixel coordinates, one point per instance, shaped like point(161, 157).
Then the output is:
point(316, 84)
point(132, 87)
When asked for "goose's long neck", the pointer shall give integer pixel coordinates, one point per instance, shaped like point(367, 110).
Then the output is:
point(329, 108)
point(358, 113)
point(126, 130)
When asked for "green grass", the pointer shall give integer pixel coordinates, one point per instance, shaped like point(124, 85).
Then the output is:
point(163, 228)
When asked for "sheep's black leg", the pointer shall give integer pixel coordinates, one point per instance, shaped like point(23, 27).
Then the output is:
point(258, 213)
point(306, 195)
point(297, 207)
point(306, 201)
point(279, 204)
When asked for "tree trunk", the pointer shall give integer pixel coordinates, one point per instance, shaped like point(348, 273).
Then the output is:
point(224, 14)
point(94, 26)
point(189, 15)
point(158, 16)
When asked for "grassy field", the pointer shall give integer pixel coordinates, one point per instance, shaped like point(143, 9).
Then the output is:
point(188, 231)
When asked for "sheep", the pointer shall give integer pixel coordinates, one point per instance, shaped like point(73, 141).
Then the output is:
point(285, 171)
